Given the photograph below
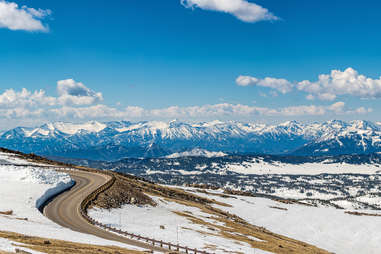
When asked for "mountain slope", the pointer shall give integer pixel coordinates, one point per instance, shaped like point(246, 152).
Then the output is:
point(116, 140)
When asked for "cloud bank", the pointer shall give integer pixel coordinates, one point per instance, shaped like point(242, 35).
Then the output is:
point(75, 101)
point(327, 87)
point(14, 17)
point(241, 9)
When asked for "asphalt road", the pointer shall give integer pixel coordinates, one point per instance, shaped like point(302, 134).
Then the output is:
point(65, 209)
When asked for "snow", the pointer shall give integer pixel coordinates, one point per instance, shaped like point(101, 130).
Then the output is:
point(67, 128)
point(71, 129)
point(8, 246)
point(146, 221)
point(260, 167)
point(196, 152)
point(230, 136)
point(153, 126)
point(22, 189)
point(327, 228)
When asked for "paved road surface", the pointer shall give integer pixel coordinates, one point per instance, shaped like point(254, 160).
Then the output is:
point(65, 208)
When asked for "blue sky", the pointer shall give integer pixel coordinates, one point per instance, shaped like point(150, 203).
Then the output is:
point(135, 60)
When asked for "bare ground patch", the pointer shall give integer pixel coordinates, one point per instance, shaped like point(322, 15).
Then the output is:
point(362, 214)
point(46, 245)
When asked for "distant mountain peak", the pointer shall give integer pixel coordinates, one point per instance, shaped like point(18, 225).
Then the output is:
point(118, 139)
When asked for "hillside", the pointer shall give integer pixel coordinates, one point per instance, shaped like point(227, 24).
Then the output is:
point(37, 177)
point(26, 182)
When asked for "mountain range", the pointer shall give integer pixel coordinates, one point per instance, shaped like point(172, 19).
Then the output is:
point(149, 139)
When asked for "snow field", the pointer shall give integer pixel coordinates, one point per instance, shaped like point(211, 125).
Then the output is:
point(324, 227)
point(260, 167)
point(149, 221)
point(22, 190)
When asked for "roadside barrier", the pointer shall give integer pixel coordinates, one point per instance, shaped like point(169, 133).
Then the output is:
point(167, 245)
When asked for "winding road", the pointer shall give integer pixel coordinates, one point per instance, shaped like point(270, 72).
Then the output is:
point(65, 208)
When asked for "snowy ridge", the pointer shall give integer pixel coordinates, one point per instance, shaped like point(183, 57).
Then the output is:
point(197, 153)
point(116, 140)
point(65, 128)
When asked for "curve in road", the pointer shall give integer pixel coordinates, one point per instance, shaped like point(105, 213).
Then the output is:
point(65, 208)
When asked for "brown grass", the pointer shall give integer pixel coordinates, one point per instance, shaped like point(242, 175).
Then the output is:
point(362, 214)
point(10, 212)
point(279, 208)
point(236, 229)
point(221, 195)
point(290, 202)
point(127, 187)
point(52, 246)
point(120, 193)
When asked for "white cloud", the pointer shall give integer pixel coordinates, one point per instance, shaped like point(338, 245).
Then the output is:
point(282, 85)
point(337, 107)
point(241, 9)
point(310, 97)
point(347, 82)
point(223, 110)
point(76, 93)
point(11, 98)
point(75, 101)
point(327, 87)
point(69, 93)
point(15, 18)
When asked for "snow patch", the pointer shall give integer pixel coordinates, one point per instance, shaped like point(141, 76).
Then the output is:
point(196, 152)
point(23, 186)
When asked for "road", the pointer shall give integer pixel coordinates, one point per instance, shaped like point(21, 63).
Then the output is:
point(65, 208)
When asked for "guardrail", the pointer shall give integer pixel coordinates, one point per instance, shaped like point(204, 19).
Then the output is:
point(170, 246)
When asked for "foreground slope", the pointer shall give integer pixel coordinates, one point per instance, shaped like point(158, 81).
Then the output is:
point(41, 233)
point(24, 186)
point(66, 208)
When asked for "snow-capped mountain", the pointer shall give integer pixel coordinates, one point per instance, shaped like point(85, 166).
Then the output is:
point(115, 140)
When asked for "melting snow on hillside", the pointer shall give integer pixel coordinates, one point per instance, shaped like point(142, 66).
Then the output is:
point(327, 228)
point(259, 167)
point(23, 187)
point(162, 223)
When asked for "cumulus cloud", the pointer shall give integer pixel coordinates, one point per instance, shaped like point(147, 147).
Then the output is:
point(25, 103)
point(11, 98)
point(75, 101)
point(327, 87)
point(347, 82)
point(14, 17)
point(76, 93)
point(282, 85)
point(241, 9)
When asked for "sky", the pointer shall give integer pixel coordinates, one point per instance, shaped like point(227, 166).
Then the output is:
point(193, 60)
